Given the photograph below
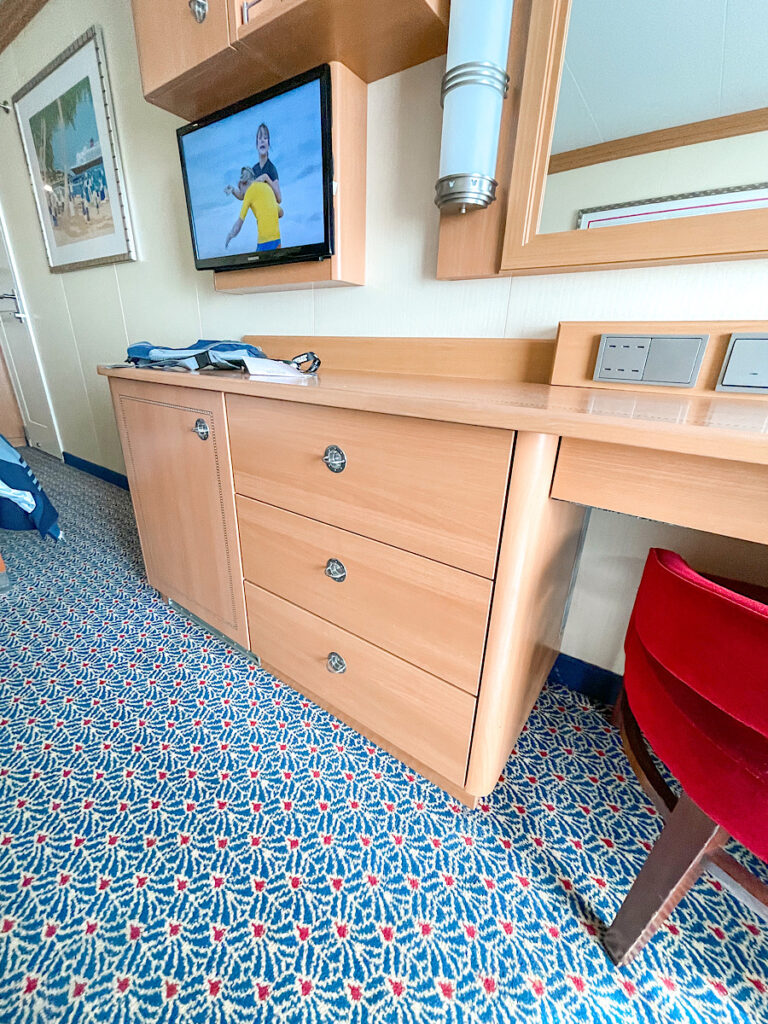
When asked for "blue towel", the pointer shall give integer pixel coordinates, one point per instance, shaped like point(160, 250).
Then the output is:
point(16, 474)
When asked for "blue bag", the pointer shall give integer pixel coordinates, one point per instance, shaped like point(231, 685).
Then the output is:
point(219, 355)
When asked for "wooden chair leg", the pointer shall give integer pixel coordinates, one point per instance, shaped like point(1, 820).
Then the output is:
point(637, 754)
point(5, 583)
point(741, 883)
point(618, 709)
point(672, 867)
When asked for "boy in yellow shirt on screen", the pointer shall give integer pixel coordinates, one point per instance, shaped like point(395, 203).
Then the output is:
point(260, 199)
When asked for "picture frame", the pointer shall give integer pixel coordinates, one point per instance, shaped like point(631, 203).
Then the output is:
point(66, 121)
point(685, 204)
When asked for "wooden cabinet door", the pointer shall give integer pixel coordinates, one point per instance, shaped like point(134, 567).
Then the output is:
point(172, 41)
point(181, 486)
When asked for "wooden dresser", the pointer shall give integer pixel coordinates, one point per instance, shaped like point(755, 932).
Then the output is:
point(392, 544)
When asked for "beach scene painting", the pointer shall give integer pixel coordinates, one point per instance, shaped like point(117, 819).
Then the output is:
point(64, 117)
point(72, 166)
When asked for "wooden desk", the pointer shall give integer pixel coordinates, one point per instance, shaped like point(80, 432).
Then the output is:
point(697, 461)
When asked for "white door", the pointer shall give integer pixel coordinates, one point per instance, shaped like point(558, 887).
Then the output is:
point(21, 355)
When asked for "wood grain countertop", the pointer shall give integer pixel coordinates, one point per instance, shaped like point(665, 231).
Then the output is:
point(720, 426)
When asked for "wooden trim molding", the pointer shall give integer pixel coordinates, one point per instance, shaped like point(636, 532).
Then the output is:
point(16, 15)
point(537, 554)
point(492, 359)
point(11, 423)
point(744, 123)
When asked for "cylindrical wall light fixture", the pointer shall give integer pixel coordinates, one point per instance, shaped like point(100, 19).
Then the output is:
point(474, 86)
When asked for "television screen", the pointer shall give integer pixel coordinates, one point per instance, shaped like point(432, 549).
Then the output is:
point(258, 177)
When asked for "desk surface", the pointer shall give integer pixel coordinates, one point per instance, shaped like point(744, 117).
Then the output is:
point(720, 427)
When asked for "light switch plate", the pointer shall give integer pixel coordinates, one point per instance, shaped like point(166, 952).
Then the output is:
point(621, 357)
point(674, 360)
point(667, 360)
point(745, 367)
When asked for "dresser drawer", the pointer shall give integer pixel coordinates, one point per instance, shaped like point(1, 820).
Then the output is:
point(425, 612)
point(419, 714)
point(433, 488)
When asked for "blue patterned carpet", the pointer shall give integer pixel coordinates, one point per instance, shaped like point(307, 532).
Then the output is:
point(184, 839)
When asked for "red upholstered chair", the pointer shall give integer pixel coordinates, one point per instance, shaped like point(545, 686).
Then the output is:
point(696, 689)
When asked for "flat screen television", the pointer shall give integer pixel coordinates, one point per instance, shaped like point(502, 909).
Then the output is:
point(258, 177)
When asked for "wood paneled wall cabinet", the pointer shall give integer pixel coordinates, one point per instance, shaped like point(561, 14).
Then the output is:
point(199, 56)
point(399, 547)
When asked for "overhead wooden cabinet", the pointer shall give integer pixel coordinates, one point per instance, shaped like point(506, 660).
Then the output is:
point(177, 458)
point(197, 56)
point(372, 38)
point(172, 41)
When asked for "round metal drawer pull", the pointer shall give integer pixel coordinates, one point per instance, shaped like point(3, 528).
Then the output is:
point(336, 663)
point(336, 570)
point(201, 429)
point(199, 10)
point(335, 459)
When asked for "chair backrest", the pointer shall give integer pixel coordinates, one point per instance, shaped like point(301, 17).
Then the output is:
point(709, 636)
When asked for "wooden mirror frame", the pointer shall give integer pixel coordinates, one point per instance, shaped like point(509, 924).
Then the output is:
point(719, 236)
point(506, 241)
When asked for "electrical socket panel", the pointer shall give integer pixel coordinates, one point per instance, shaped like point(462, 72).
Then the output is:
point(666, 360)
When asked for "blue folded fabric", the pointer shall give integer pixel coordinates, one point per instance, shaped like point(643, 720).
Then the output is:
point(8, 453)
point(223, 355)
point(16, 474)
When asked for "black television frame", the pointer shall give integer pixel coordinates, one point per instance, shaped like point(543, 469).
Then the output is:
point(292, 254)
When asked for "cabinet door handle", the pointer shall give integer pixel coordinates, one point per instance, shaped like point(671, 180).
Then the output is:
point(335, 459)
point(199, 9)
point(201, 429)
point(247, 5)
point(336, 570)
point(335, 663)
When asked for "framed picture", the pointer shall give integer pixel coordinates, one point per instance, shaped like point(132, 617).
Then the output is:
point(689, 204)
point(68, 132)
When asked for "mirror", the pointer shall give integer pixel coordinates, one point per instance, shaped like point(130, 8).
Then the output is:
point(661, 113)
point(646, 120)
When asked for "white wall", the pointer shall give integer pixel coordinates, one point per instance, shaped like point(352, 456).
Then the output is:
point(88, 317)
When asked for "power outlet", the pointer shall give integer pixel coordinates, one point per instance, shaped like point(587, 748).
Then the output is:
point(621, 357)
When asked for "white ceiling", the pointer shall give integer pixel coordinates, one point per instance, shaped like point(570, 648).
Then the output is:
point(633, 66)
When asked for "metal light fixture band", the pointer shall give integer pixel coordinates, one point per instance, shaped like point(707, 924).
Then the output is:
point(475, 73)
point(464, 190)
